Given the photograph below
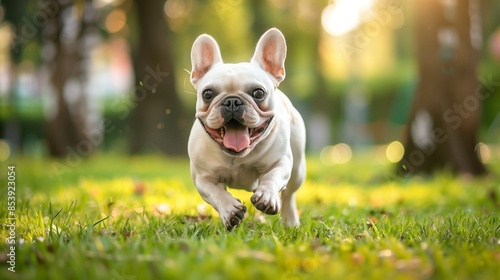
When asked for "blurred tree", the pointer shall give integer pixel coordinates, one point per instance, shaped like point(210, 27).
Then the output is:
point(68, 37)
point(158, 120)
point(12, 129)
point(443, 122)
point(259, 11)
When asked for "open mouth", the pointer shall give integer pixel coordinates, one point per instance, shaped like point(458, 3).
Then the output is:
point(234, 136)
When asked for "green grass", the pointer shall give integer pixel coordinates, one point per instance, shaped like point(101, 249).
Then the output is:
point(114, 217)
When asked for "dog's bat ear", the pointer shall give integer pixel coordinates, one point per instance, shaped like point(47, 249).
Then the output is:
point(270, 54)
point(205, 54)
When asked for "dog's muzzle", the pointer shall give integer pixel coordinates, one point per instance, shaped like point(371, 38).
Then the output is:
point(235, 137)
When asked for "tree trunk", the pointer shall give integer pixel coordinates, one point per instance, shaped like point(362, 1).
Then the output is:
point(444, 119)
point(69, 119)
point(158, 120)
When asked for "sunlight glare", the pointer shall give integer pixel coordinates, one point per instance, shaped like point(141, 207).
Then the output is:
point(344, 15)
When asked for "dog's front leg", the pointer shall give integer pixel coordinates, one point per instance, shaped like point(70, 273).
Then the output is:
point(266, 196)
point(230, 209)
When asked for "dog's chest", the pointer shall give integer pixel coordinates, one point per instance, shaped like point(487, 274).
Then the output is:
point(239, 177)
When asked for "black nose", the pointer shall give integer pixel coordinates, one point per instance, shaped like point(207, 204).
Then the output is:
point(232, 104)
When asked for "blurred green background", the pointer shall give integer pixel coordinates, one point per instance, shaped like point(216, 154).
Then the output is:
point(351, 71)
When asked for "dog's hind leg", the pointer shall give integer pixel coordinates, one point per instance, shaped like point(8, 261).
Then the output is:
point(289, 209)
point(289, 212)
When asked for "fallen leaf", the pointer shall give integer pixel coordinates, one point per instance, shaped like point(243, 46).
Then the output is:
point(128, 234)
point(139, 188)
point(197, 219)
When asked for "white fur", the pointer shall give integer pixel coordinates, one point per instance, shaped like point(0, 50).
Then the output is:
point(276, 162)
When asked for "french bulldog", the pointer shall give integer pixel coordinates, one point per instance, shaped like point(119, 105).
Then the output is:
point(246, 134)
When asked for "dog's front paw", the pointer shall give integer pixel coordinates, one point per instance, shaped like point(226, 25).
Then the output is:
point(267, 201)
point(233, 214)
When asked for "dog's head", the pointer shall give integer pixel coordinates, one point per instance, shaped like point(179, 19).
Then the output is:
point(235, 101)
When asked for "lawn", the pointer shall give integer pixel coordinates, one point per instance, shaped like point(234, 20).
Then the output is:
point(115, 217)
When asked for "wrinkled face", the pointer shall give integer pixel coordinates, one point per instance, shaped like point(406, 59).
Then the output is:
point(235, 106)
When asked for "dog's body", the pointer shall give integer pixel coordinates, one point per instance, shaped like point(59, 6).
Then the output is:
point(247, 134)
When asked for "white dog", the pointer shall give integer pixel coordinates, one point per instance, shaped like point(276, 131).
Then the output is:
point(247, 134)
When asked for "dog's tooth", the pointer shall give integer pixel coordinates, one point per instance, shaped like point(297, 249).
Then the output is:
point(221, 131)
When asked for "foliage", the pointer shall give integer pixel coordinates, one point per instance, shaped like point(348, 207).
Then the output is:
point(115, 217)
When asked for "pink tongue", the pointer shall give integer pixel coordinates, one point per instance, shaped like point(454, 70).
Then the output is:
point(236, 139)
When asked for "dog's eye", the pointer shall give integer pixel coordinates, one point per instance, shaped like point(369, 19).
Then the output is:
point(207, 94)
point(258, 93)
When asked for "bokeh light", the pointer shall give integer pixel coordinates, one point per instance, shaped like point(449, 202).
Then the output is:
point(103, 3)
point(494, 45)
point(116, 20)
point(337, 154)
point(175, 9)
point(483, 152)
point(4, 150)
point(395, 151)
